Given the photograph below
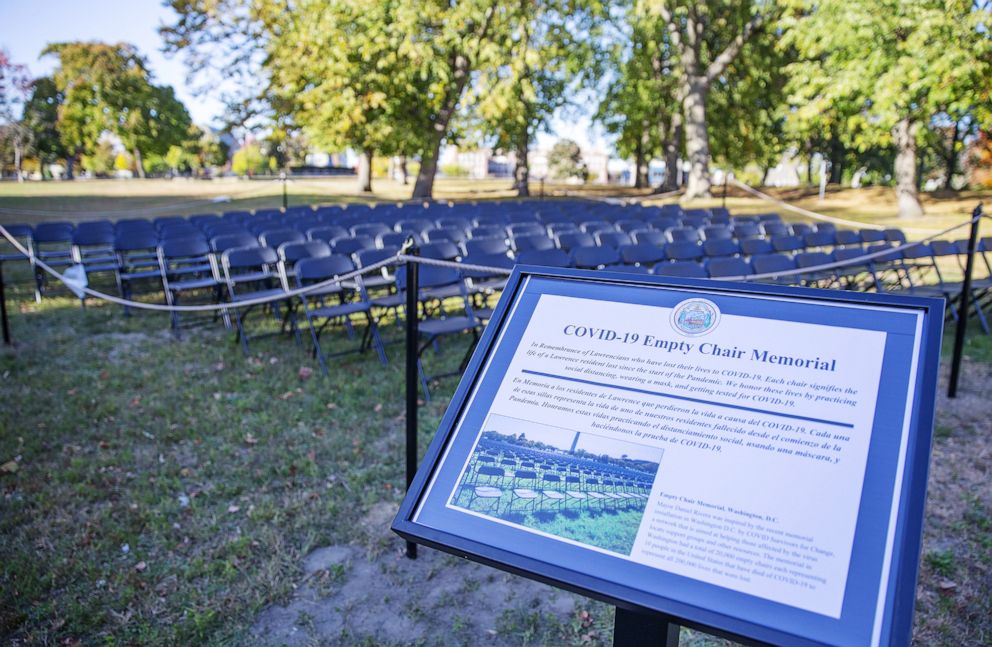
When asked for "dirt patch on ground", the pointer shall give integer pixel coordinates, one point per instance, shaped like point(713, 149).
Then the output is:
point(349, 596)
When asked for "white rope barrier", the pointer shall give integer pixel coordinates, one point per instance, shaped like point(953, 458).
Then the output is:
point(402, 257)
point(806, 212)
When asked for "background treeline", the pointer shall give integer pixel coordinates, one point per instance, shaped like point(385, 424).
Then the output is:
point(893, 90)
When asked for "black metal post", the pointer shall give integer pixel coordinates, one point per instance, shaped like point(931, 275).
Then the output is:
point(412, 378)
point(282, 176)
point(964, 301)
point(726, 178)
point(3, 310)
point(635, 629)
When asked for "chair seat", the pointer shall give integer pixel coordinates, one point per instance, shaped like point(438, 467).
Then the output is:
point(525, 493)
point(488, 492)
point(257, 294)
point(597, 495)
point(576, 495)
point(134, 276)
point(449, 325)
point(249, 277)
point(100, 267)
point(553, 494)
point(342, 310)
point(193, 284)
point(443, 292)
point(190, 269)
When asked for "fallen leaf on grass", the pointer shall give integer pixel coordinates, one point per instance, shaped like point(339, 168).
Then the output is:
point(947, 586)
point(250, 440)
point(9, 467)
point(273, 360)
point(377, 408)
point(72, 391)
point(305, 372)
point(104, 375)
point(136, 401)
point(219, 366)
point(331, 405)
point(140, 567)
point(287, 395)
point(103, 444)
point(233, 508)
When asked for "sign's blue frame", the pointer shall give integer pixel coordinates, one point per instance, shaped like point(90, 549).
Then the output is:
point(688, 601)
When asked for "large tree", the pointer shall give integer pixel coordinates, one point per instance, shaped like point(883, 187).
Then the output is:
point(550, 48)
point(336, 70)
point(106, 88)
point(707, 35)
point(15, 83)
point(891, 66)
point(41, 116)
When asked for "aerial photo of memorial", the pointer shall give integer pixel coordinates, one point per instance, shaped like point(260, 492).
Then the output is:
point(579, 486)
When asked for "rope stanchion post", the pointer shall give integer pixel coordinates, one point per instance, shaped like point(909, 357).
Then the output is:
point(961, 329)
point(3, 310)
point(412, 377)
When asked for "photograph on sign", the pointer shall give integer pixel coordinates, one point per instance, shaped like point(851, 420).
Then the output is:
point(582, 487)
point(744, 453)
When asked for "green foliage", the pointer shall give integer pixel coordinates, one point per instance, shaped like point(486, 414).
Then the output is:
point(248, 160)
point(107, 88)
point(122, 161)
point(454, 170)
point(565, 160)
point(100, 161)
point(41, 114)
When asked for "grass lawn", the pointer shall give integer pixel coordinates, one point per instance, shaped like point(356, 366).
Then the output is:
point(162, 491)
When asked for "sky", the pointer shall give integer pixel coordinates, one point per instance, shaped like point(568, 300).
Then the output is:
point(27, 26)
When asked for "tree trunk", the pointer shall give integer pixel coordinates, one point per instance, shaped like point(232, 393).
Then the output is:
point(697, 142)
point(904, 138)
point(951, 159)
point(70, 164)
point(764, 175)
point(673, 147)
point(836, 161)
point(423, 187)
point(640, 176)
point(365, 171)
point(521, 171)
point(406, 176)
point(18, 162)
point(139, 163)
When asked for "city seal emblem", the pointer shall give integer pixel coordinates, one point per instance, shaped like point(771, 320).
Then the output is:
point(695, 317)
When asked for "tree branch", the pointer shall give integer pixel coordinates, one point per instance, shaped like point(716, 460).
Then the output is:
point(721, 62)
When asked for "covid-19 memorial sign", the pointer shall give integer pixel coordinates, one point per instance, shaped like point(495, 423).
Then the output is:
point(748, 459)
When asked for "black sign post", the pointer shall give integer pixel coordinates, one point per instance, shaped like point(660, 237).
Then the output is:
point(965, 301)
point(637, 629)
point(412, 283)
point(3, 310)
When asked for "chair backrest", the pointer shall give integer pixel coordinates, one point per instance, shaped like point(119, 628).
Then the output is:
point(275, 237)
point(613, 239)
point(314, 270)
point(718, 247)
point(450, 234)
point(683, 251)
point(773, 229)
point(327, 233)
point(371, 229)
point(722, 267)
point(487, 260)
point(769, 263)
point(139, 239)
point(351, 244)
point(747, 230)
point(533, 243)
point(651, 237)
point(594, 257)
point(683, 235)
point(717, 232)
point(221, 244)
point(572, 239)
point(788, 243)
point(88, 237)
point(486, 246)
point(801, 228)
point(642, 254)
point(183, 248)
point(895, 235)
point(488, 470)
point(444, 250)
point(812, 259)
point(488, 232)
point(848, 237)
point(755, 246)
point(53, 232)
point(545, 257)
point(872, 235)
point(824, 238)
point(241, 258)
point(526, 229)
point(292, 252)
point(684, 269)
